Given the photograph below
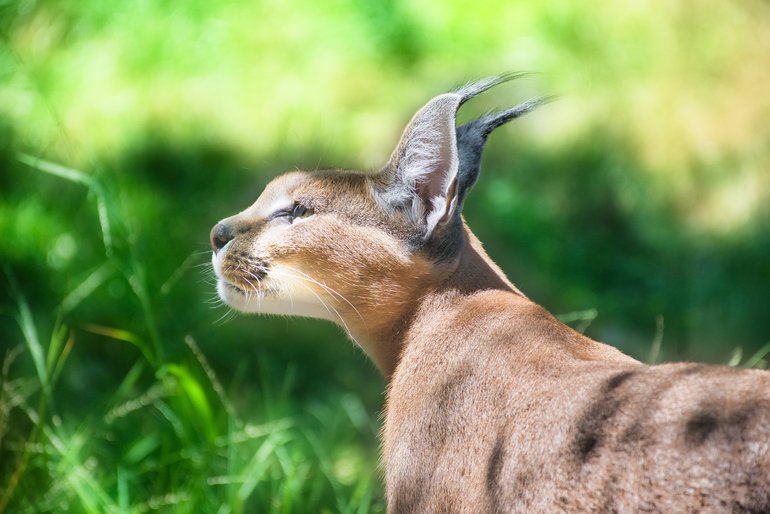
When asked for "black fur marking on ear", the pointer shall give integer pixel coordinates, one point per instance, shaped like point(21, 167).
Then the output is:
point(472, 136)
point(446, 242)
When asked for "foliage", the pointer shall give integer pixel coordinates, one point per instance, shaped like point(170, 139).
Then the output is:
point(637, 204)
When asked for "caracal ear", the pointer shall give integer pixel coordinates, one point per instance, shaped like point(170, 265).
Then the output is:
point(421, 175)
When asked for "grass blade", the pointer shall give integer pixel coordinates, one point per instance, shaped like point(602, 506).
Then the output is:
point(29, 331)
point(95, 279)
point(79, 177)
point(755, 359)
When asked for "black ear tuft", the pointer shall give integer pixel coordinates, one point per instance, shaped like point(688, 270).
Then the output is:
point(472, 89)
point(472, 136)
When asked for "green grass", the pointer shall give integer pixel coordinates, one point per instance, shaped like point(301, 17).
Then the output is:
point(164, 447)
point(167, 437)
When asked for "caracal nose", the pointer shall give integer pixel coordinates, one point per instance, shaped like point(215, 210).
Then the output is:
point(221, 234)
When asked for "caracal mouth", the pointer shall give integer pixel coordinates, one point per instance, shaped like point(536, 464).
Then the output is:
point(229, 286)
point(237, 283)
point(284, 294)
point(253, 290)
point(244, 300)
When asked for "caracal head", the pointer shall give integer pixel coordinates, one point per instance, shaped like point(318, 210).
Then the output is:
point(358, 248)
point(316, 244)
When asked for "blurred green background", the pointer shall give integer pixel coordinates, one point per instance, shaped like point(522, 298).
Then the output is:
point(637, 207)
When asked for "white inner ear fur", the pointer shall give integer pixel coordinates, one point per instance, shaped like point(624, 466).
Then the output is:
point(427, 167)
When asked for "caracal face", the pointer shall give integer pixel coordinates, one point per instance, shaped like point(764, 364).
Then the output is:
point(316, 244)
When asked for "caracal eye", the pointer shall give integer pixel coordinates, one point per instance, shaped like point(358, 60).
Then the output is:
point(300, 211)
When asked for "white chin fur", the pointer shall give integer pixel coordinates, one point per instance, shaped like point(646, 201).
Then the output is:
point(294, 299)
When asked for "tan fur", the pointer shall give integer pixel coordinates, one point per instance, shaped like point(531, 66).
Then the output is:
point(493, 405)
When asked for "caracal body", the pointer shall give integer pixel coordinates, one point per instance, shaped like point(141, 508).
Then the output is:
point(493, 405)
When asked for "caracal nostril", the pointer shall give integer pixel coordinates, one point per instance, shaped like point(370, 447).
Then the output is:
point(221, 234)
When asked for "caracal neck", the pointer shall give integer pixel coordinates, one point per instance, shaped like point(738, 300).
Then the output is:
point(474, 274)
